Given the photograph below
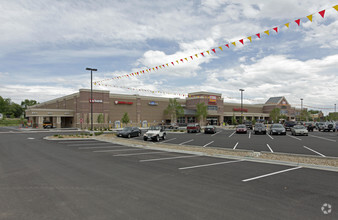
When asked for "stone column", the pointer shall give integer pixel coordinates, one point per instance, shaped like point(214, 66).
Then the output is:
point(58, 122)
point(40, 122)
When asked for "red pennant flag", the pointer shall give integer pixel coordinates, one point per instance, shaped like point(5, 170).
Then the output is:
point(149, 70)
point(191, 57)
point(258, 35)
point(213, 50)
point(298, 21)
point(173, 63)
point(138, 73)
point(163, 65)
point(157, 68)
point(132, 74)
point(322, 13)
point(142, 71)
point(276, 29)
point(227, 45)
point(202, 54)
point(242, 41)
point(182, 60)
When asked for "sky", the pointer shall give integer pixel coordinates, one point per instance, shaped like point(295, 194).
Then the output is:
point(45, 47)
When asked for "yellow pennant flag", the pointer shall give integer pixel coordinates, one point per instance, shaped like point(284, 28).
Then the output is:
point(186, 59)
point(249, 39)
point(160, 67)
point(267, 32)
point(220, 48)
point(234, 43)
point(167, 64)
point(335, 7)
point(196, 55)
point(287, 25)
point(309, 17)
point(177, 62)
point(153, 68)
point(208, 52)
point(147, 70)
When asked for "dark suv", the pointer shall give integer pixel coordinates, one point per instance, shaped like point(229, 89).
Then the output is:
point(248, 124)
point(289, 124)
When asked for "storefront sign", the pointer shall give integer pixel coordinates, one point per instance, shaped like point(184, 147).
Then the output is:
point(123, 103)
point(95, 101)
point(240, 110)
point(153, 103)
point(212, 98)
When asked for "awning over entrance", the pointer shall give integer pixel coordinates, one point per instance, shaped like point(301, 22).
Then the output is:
point(58, 117)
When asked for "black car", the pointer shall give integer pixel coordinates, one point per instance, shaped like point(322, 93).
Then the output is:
point(129, 132)
point(309, 126)
point(289, 124)
point(277, 129)
point(260, 128)
point(248, 124)
point(210, 129)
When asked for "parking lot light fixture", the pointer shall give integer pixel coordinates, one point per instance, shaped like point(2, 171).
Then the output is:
point(242, 90)
point(301, 109)
point(91, 96)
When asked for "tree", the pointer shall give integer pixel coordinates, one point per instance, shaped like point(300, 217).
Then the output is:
point(201, 112)
point(26, 103)
point(304, 115)
point(275, 115)
point(100, 118)
point(125, 118)
point(233, 120)
point(174, 109)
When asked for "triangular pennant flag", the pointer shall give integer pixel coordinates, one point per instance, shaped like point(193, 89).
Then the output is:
point(147, 70)
point(258, 35)
point(213, 50)
point(335, 7)
point(182, 60)
point(163, 65)
point(157, 68)
point(267, 32)
point(220, 48)
point(287, 25)
point(186, 59)
point(249, 39)
point(142, 71)
point(167, 64)
point(227, 45)
point(191, 57)
point(242, 41)
point(202, 54)
point(208, 52)
point(309, 17)
point(196, 55)
point(160, 67)
point(234, 43)
point(322, 13)
point(173, 63)
point(177, 62)
point(298, 21)
point(153, 68)
point(276, 29)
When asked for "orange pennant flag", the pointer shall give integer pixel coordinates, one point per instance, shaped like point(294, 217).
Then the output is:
point(234, 43)
point(249, 39)
point(287, 25)
point(220, 48)
point(309, 17)
point(267, 32)
point(153, 68)
point(335, 7)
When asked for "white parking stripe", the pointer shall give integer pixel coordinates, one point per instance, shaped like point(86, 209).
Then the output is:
point(186, 142)
point(124, 155)
point(84, 148)
point(168, 140)
point(232, 133)
point(199, 134)
point(94, 144)
point(77, 142)
point(323, 138)
point(249, 135)
point(314, 151)
point(210, 164)
point(270, 174)
point(294, 137)
point(104, 151)
point(269, 136)
point(208, 143)
point(215, 133)
point(169, 158)
point(269, 148)
point(235, 146)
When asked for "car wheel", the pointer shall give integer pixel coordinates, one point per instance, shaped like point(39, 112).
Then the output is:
point(157, 138)
point(145, 138)
point(163, 137)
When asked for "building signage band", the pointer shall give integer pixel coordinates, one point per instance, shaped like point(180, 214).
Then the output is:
point(123, 102)
point(212, 98)
point(95, 101)
point(153, 103)
point(239, 109)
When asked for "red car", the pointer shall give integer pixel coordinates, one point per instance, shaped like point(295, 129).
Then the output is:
point(241, 129)
point(193, 127)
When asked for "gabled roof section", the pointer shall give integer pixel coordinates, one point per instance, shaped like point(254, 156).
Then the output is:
point(274, 100)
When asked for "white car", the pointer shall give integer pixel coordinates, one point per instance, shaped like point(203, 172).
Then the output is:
point(299, 130)
point(155, 133)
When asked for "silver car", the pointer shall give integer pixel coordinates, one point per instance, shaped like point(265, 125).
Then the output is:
point(260, 128)
point(299, 130)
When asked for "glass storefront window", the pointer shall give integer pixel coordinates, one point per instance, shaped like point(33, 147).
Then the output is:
point(212, 108)
point(191, 119)
point(181, 120)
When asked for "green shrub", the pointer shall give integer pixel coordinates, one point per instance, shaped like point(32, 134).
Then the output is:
point(98, 133)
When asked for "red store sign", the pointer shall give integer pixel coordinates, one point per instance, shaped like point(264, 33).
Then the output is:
point(123, 103)
point(239, 109)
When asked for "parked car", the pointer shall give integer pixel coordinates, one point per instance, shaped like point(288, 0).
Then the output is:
point(172, 126)
point(129, 132)
point(289, 124)
point(193, 127)
point(47, 124)
point(210, 129)
point(260, 128)
point(241, 129)
point(319, 126)
point(248, 124)
point(155, 133)
point(277, 129)
point(309, 126)
point(328, 126)
point(299, 130)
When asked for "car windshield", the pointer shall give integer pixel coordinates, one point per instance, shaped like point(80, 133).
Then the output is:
point(277, 126)
point(127, 129)
point(210, 126)
point(155, 128)
point(241, 126)
point(299, 127)
point(259, 125)
point(191, 125)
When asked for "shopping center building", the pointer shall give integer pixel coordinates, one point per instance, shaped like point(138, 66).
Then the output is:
point(74, 111)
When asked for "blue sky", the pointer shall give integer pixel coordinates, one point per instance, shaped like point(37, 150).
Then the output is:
point(46, 46)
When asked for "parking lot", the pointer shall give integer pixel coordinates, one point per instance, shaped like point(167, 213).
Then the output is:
point(322, 144)
point(90, 179)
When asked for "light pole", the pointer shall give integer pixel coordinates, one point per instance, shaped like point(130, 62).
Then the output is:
point(242, 90)
point(301, 108)
point(91, 96)
point(334, 108)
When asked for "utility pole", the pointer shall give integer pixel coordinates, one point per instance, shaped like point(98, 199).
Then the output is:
point(91, 96)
